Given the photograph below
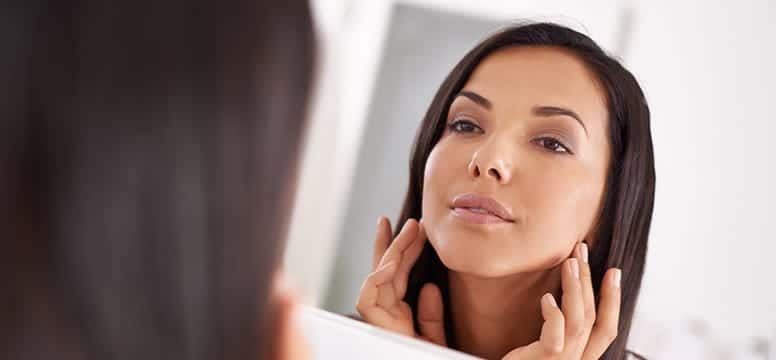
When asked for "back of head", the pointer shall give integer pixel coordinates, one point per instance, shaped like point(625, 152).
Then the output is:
point(148, 149)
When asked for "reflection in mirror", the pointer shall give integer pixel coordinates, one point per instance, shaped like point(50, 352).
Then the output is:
point(536, 141)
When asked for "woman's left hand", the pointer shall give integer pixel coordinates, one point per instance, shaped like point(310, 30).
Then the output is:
point(576, 330)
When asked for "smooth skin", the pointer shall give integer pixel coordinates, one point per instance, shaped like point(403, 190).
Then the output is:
point(573, 331)
point(529, 130)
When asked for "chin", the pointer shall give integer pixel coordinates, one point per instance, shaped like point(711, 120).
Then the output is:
point(483, 267)
point(467, 254)
point(491, 254)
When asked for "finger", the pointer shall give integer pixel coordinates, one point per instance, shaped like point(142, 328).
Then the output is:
point(408, 233)
point(576, 346)
point(605, 328)
point(382, 240)
point(395, 252)
point(572, 303)
point(408, 258)
point(370, 290)
point(431, 314)
point(552, 337)
point(551, 340)
point(586, 281)
point(412, 252)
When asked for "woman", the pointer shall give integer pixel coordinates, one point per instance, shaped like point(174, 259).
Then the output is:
point(533, 175)
point(149, 151)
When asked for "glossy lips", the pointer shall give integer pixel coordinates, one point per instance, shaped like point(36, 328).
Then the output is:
point(480, 209)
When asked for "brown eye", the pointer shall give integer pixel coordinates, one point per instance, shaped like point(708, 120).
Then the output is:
point(553, 145)
point(464, 126)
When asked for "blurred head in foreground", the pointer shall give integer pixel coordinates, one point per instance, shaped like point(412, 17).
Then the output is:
point(148, 151)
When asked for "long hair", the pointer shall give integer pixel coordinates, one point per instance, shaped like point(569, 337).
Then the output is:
point(148, 149)
point(622, 231)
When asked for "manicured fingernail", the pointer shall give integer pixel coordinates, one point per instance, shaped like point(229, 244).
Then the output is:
point(574, 267)
point(616, 278)
point(583, 251)
point(549, 300)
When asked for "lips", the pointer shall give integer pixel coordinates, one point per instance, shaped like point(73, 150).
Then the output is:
point(480, 209)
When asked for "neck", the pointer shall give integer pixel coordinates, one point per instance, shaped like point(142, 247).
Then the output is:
point(496, 315)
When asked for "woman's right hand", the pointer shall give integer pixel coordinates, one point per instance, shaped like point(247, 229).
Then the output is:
point(380, 301)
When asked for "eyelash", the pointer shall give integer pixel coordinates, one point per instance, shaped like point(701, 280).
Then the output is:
point(455, 127)
point(556, 144)
point(548, 143)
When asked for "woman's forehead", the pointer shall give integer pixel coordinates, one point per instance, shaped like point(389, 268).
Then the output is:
point(537, 74)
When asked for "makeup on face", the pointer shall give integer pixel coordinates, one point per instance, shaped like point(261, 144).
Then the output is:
point(480, 209)
point(517, 176)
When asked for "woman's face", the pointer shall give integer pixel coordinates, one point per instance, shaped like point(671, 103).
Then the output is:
point(518, 176)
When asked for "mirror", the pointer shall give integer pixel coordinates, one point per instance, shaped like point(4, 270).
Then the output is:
point(704, 290)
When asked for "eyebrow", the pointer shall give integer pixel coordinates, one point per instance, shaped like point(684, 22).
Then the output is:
point(555, 111)
point(473, 96)
point(545, 111)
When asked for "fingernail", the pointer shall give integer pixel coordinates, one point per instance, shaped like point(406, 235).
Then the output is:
point(583, 251)
point(616, 278)
point(574, 267)
point(549, 300)
point(379, 221)
point(405, 224)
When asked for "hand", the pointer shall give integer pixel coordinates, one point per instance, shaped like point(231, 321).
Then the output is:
point(380, 301)
point(576, 331)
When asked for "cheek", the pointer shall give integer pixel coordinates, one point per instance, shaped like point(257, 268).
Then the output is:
point(436, 179)
point(557, 206)
point(445, 166)
point(564, 207)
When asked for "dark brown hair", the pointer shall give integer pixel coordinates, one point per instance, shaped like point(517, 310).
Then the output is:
point(148, 154)
point(623, 227)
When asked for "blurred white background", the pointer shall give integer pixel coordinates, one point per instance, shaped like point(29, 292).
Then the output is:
point(707, 70)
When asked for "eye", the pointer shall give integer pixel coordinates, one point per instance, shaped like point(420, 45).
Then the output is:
point(464, 126)
point(553, 145)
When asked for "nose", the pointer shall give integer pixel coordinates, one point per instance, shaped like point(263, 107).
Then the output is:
point(492, 161)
